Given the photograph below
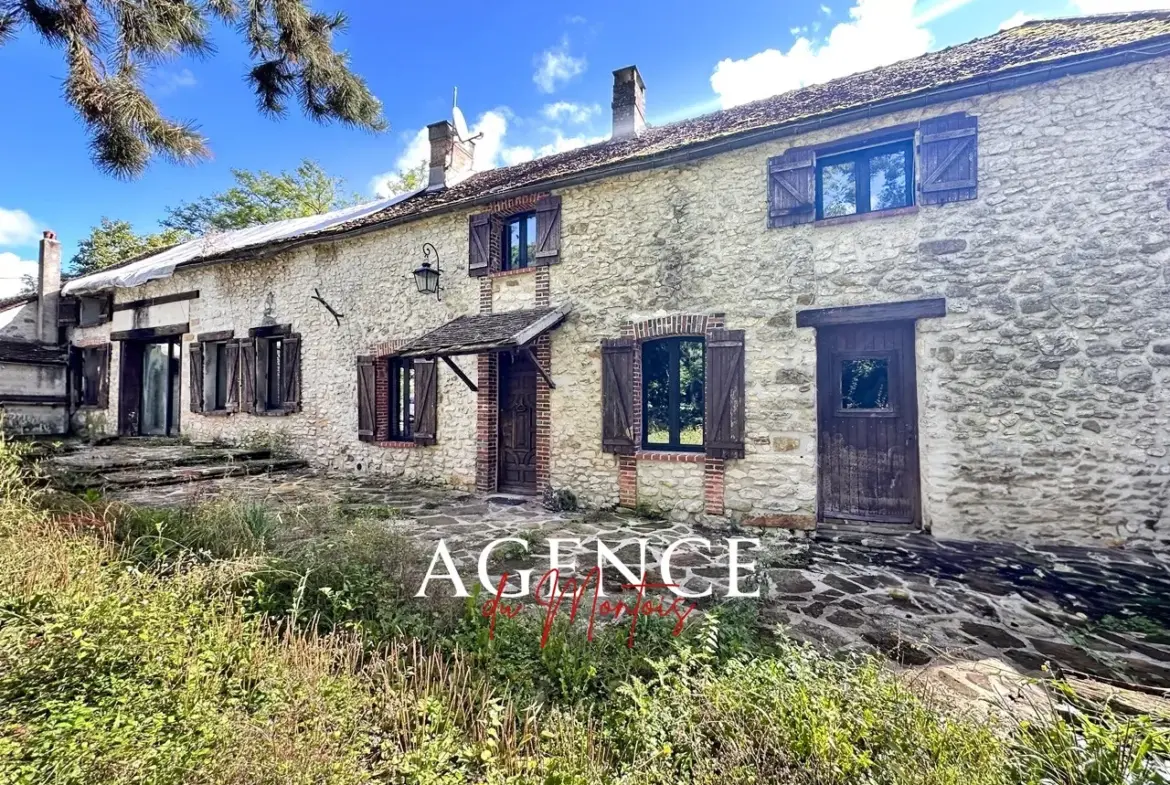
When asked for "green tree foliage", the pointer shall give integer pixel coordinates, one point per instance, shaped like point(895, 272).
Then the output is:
point(114, 242)
point(406, 180)
point(262, 197)
point(108, 47)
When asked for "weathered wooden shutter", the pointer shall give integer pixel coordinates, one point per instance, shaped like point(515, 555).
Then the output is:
point(247, 374)
point(617, 396)
point(103, 379)
point(195, 353)
point(792, 190)
point(548, 230)
point(724, 394)
point(479, 244)
point(231, 357)
point(426, 401)
point(290, 373)
point(68, 311)
point(948, 159)
point(365, 398)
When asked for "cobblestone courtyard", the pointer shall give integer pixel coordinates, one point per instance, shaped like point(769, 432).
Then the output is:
point(970, 613)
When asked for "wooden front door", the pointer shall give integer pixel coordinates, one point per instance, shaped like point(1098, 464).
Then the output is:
point(517, 420)
point(867, 417)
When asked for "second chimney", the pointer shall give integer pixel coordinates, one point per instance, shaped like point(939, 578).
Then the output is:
point(452, 158)
point(48, 288)
point(629, 103)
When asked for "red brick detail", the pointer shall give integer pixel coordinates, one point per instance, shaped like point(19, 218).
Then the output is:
point(627, 481)
point(669, 457)
point(386, 348)
point(381, 400)
point(510, 273)
point(485, 295)
point(792, 521)
point(500, 212)
point(487, 423)
point(396, 445)
point(713, 485)
point(543, 415)
point(670, 326)
point(543, 287)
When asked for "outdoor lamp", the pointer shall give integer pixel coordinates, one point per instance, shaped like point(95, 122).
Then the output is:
point(427, 277)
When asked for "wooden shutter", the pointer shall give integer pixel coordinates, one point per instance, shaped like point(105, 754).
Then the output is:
point(247, 374)
point(724, 394)
point(195, 353)
point(948, 159)
point(68, 311)
point(231, 357)
point(479, 244)
point(426, 401)
point(548, 230)
point(792, 191)
point(617, 396)
point(103, 379)
point(290, 373)
point(365, 398)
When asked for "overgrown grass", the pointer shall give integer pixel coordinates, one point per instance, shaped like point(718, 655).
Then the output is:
point(210, 645)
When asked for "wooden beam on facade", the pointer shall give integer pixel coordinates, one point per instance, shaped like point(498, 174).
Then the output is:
point(42, 400)
point(130, 305)
point(539, 369)
point(151, 333)
point(459, 372)
point(908, 310)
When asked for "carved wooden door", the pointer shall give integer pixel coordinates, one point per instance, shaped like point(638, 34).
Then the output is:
point(867, 416)
point(517, 424)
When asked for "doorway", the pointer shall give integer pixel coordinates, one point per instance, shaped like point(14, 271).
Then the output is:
point(517, 424)
point(867, 422)
point(150, 387)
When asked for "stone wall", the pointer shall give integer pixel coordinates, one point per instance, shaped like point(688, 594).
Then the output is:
point(1041, 395)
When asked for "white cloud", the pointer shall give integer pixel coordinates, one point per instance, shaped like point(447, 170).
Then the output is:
point(878, 32)
point(170, 81)
point(16, 227)
point(562, 143)
point(1015, 20)
point(826, 10)
point(569, 111)
point(556, 66)
point(12, 272)
point(517, 155)
point(1114, 6)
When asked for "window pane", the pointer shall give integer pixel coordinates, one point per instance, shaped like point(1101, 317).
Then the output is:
point(656, 388)
point(512, 261)
point(274, 363)
point(530, 256)
point(887, 181)
point(221, 376)
point(89, 377)
point(839, 189)
point(690, 397)
point(865, 384)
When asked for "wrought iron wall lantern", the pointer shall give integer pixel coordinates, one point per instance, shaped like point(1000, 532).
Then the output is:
point(426, 277)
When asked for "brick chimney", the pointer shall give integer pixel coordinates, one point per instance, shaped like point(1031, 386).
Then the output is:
point(48, 287)
point(629, 103)
point(452, 158)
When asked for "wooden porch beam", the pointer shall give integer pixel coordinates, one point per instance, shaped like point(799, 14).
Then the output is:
point(543, 373)
point(459, 372)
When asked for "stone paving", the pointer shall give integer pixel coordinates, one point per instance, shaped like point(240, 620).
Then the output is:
point(966, 613)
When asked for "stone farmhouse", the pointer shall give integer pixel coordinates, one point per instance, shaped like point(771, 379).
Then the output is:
point(932, 295)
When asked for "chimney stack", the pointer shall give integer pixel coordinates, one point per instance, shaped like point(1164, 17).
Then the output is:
point(452, 158)
point(48, 287)
point(629, 103)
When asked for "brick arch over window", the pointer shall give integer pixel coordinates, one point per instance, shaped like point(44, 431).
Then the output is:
point(685, 325)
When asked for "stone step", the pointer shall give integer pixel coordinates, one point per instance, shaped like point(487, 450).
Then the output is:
point(153, 458)
point(174, 475)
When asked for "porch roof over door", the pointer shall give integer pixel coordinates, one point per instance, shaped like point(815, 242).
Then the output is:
point(489, 332)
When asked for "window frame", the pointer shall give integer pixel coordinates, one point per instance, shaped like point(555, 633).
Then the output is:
point(272, 381)
point(893, 392)
point(83, 385)
point(401, 422)
point(674, 427)
point(860, 157)
point(102, 304)
point(524, 262)
point(213, 367)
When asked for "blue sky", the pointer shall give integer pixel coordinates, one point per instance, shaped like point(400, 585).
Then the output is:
point(534, 77)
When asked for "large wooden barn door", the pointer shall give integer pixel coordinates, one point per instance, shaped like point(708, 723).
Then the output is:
point(868, 423)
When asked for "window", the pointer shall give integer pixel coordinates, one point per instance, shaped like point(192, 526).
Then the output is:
point(90, 378)
point(401, 400)
point(519, 249)
point(274, 362)
point(94, 310)
point(865, 383)
point(673, 376)
point(217, 375)
point(865, 181)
